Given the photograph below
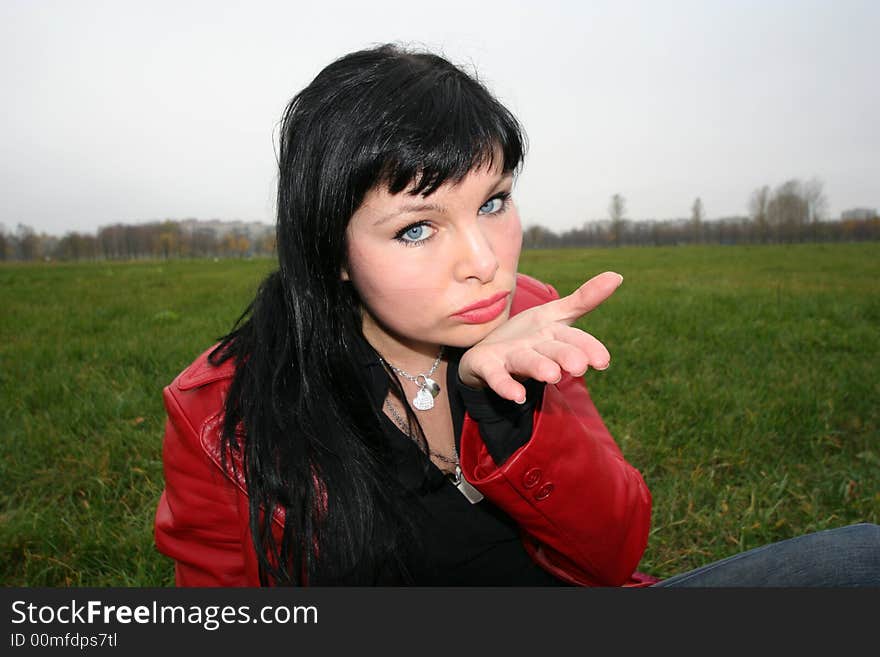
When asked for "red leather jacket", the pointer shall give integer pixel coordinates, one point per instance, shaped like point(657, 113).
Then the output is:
point(584, 511)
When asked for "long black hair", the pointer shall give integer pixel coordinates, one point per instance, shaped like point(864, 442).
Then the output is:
point(297, 410)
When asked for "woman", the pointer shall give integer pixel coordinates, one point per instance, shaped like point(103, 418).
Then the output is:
point(398, 405)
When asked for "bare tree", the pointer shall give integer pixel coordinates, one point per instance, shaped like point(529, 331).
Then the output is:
point(758, 205)
point(204, 242)
point(817, 203)
point(537, 237)
point(5, 244)
point(29, 243)
point(76, 246)
point(617, 212)
point(697, 220)
point(787, 211)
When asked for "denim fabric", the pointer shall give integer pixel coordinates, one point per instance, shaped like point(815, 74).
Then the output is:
point(844, 557)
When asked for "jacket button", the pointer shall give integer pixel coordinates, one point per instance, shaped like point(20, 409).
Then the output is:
point(544, 492)
point(532, 478)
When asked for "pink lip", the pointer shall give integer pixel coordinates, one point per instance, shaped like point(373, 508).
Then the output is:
point(483, 311)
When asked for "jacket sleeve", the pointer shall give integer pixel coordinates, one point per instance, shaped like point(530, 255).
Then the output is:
point(584, 510)
point(199, 521)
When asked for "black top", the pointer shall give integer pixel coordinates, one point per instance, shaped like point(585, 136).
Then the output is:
point(463, 543)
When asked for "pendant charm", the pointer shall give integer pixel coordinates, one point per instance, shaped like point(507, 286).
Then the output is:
point(432, 386)
point(471, 494)
point(424, 400)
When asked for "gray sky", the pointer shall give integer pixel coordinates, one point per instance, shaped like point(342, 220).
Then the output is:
point(134, 111)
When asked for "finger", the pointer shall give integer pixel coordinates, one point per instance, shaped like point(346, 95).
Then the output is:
point(505, 386)
point(584, 299)
point(596, 352)
point(534, 365)
point(567, 356)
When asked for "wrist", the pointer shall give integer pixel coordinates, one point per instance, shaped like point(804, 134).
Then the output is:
point(471, 383)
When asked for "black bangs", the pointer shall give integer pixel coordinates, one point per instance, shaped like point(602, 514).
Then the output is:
point(441, 125)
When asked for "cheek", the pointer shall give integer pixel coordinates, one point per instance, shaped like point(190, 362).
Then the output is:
point(387, 284)
point(507, 241)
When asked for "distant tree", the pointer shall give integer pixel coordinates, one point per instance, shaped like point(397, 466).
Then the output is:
point(110, 241)
point(537, 237)
point(585, 236)
point(76, 246)
point(758, 205)
point(204, 242)
point(817, 205)
point(29, 243)
point(617, 213)
point(163, 238)
point(697, 220)
point(789, 210)
point(167, 243)
point(267, 243)
point(234, 244)
point(167, 235)
point(782, 210)
point(242, 245)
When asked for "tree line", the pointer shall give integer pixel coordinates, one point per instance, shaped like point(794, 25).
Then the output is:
point(794, 211)
point(152, 240)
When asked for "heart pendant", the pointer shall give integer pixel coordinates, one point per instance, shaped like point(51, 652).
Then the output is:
point(424, 400)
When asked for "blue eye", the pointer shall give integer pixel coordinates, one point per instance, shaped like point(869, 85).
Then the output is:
point(490, 206)
point(414, 235)
point(495, 205)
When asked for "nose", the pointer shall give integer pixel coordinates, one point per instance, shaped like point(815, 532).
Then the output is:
point(475, 257)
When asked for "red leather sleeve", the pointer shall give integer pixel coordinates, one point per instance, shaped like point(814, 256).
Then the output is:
point(585, 511)
point(201, 519)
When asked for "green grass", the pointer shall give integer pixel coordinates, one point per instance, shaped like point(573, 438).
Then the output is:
point(744, 385)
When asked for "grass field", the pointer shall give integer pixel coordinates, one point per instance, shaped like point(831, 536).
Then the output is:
point(744, 385)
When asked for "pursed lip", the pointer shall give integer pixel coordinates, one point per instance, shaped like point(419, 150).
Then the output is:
point(495, 298)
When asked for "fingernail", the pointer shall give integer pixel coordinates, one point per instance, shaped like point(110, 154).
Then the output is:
point(521, 401)
point(620, 281)
point(605, 366)
point(558, 379)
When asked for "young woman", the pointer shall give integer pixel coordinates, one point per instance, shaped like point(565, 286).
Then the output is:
point(398, 405)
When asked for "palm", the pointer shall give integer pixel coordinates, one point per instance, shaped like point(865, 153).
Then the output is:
point(540, 343)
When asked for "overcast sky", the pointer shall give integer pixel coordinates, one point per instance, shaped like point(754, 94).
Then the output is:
point(135, 111)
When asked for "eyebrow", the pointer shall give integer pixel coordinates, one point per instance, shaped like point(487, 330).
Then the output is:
point(424, 207)
point(410, 209)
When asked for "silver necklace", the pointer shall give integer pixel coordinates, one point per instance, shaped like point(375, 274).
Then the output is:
point(464, 487)
point(428, 387)
point(405, 428)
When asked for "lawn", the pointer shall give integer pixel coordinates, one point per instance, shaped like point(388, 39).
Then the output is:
point(743, 385)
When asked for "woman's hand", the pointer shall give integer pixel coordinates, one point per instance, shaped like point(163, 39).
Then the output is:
point(540, 343)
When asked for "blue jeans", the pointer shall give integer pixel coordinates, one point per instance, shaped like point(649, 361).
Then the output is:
point(845, 557)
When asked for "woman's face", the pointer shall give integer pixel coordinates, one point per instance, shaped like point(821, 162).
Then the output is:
point(435, 271)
